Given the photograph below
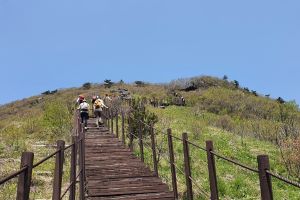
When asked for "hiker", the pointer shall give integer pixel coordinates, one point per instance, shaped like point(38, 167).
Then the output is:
point(98, 108)
point(182, 101)
point(84, 112)
point(80, 99)
point(94, 98)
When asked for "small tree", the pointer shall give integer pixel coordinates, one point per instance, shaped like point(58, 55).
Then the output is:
point(225, 77)
point(254, 93)
point(236, 84)
point(139, 112)
point(108, 83)
point(280, 100)
point(87, 85)
point(139, 83)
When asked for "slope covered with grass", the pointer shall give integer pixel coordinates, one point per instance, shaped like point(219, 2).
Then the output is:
point(242, 124)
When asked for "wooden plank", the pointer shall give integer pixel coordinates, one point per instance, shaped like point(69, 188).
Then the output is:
point(114, 172)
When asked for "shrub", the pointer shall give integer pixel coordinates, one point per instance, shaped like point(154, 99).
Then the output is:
point(57, 119)
point(87, 86)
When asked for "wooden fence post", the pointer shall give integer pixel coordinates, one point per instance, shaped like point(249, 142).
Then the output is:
point(81, 167)
point(117, 124)
point(58, 172)
point(73, 169)
point(153, 145)
point(130, 134)
point(107, 117)
point(112, 121)
point(187, 167)
point(123, 128)
point(212, 171)
point(264, 177)
point(24, 179)
point(172, 163)
point(141, 141)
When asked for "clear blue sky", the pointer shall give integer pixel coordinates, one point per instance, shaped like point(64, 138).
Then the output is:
point(46, 45)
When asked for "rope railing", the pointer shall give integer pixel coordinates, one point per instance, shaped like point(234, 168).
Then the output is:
point(13, 175)
point(27, 167)
point(234, 162)
point(262, 170)
point(275, 175)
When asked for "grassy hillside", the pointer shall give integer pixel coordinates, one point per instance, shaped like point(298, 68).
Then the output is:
point(241, 123)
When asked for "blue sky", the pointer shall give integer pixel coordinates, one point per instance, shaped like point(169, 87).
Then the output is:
point(46, 45)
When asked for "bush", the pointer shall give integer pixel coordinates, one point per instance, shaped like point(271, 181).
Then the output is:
point(139, 112)
point(225, 122)
point(57, 119)
point(87, 86)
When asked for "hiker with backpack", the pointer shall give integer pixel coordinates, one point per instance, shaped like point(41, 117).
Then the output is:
point(98, 108)
point(80, 99)
point(84, 112)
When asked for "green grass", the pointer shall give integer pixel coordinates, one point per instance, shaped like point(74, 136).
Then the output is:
point(233, 181)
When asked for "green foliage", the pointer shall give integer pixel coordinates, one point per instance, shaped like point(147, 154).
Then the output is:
point(138, 112)
point(108, 83)
point(57, 119)
point(87, 86)
point(139, 83)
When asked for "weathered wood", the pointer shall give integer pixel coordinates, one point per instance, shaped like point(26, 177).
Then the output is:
point(114, 172)
point(123, 128)
point(141, 141)
point(153, 147)
point(212, 171)
point(172, 166)
point(187, 167)
point(264, 177)
point(24, 180)
point(58, 172)
point(117, 124)
point(73, 169)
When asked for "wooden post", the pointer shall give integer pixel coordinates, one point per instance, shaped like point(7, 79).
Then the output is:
point(130, 134)
point(112, 122)
point(141, 141)
point(264, 177)
point(172, 163)
point(212, 171)
point(24, 179)
point(187, 167)
point(73, 169)
point(153, 145)
point(58, 172)
point(117, 124)
point(123, 128)
point(107, 117)
point(81, 169)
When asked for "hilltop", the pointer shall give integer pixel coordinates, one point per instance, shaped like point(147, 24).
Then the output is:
point(241, 122)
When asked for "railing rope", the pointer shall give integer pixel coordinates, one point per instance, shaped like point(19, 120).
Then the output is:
point(58, 172)
point(24, 180)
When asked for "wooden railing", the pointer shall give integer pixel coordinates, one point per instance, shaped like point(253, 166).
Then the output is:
point(77, 155)
point(262, 171)
point(112, 118)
